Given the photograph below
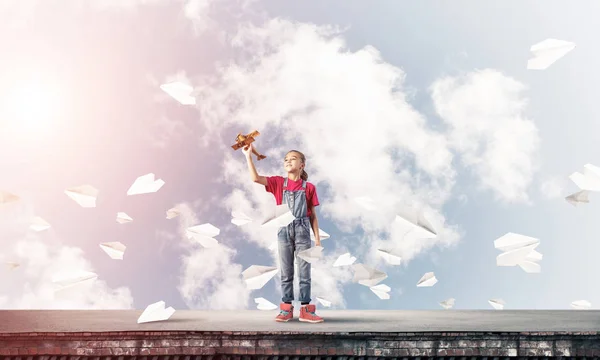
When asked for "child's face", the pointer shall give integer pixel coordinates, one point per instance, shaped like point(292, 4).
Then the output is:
point(292, 162)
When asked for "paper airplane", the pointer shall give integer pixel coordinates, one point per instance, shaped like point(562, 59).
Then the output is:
point(114, 249)
point(322, 234)
point(282, 217)
point(518, 250)
point(344, 260)
point(256, 276)
point(6, 197)
point(324, 302)
point(382, 291)
point(39, 224)
point(367, 276)
point(427, 280)
point(64, 280)
point(414, 220)
point(448, 303)
point(582, 196)
point(123, 218)
point(588, 180)
point(156, 312)
point(264, 304)
point(204, 234)
point(180, 91)
point(145, 184)
point(173, 213)
point(547, 52)
point(581, 305)
point(390, 256)
point(497, 304)
point(84, 195)
point(239, 218)
point(12, 265)
point(311, 255)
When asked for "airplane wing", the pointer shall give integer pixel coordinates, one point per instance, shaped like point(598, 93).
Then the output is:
point(253, 134)
point(242, 143)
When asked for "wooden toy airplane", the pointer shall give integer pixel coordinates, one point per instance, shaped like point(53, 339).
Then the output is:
point(246, 140)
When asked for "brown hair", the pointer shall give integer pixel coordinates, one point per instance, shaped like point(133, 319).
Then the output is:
point(303, 174)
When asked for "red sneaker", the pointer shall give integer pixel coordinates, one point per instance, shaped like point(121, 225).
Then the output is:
point(307, 314)
point(286, 312)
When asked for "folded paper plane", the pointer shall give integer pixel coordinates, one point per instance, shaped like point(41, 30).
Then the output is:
point(367, 276)
point(390, 256)
point(64, 280)
point(264, 304)
point(427, 280)
point(344, 260)
point(324, 302)
point(382, 291)
point(123, 218)
point(588, 180)
point(180, 91)
point(39, 224)
point(581, 305)
point(239, 218)
point(84, 195)
point(518, 250)
point(12, 265)
point(414, 220)
point(156, 312)
point(312, 254)
point(579, 197)
point(282, 217)
point(114, 249)
point(497, 304)
point(145, 184)
point(448, 303)
point(547, 52)
point(173, 213)
point(6, 197)
point(256, 276)
point(204, 234)
point(322, 235)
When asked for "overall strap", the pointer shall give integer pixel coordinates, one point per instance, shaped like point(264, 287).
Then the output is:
point(304, 184)
point(285, 183)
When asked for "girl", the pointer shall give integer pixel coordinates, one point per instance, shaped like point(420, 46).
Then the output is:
point(301, 198)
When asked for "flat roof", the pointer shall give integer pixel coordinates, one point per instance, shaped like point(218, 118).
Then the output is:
point(336, 321)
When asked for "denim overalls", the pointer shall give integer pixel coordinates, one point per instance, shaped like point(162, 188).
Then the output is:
point(292, 239)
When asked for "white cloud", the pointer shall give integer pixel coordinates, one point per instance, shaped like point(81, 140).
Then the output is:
point(40, 257)
point(347, 112)
point(485, 113)
point(552, 188)
point(209, 279)
point(200, 13)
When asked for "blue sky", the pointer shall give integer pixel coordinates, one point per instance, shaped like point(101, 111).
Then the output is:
point(286, 77)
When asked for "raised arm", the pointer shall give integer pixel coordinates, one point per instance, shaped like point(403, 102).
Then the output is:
point(253, 174)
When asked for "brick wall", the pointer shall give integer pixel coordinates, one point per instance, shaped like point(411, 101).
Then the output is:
point(281, 345)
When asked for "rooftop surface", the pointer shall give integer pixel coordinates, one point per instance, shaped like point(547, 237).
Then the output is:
point(345, 321)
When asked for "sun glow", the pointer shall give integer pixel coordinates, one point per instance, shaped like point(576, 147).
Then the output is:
point(31, 106)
